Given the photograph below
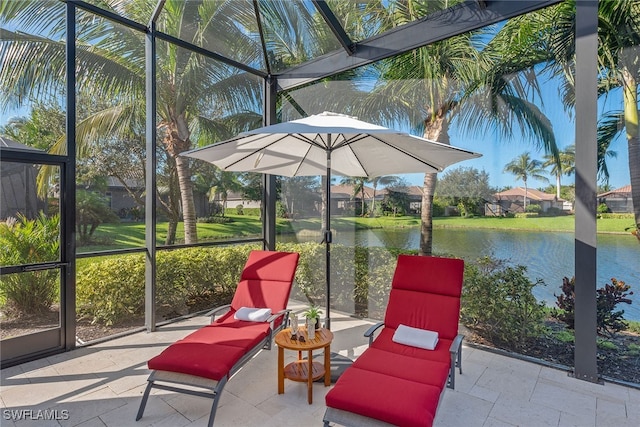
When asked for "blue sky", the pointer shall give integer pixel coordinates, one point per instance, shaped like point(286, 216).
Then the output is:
point(497, 151)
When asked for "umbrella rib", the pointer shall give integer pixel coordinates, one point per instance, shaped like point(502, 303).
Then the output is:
point(346, 142)
point(256, 151)
point(295, 173)
point(406, 153)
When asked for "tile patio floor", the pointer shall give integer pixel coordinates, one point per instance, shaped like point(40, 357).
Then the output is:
point(101, 385)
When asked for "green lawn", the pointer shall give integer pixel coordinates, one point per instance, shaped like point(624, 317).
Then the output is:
point(131, 235)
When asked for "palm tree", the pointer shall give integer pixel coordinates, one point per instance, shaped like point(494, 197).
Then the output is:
point(358, 187)
point(619, 68)
point(224, 183)
point(564, 164)
point(380, 180)
point(524, 167)
point(199, 100)
point(110, 65)
point(455, 79)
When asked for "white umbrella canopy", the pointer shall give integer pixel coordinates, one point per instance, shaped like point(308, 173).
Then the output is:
point(305, 147)
point(326, 144)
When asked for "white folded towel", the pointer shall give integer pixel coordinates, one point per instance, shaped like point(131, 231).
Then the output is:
point(251, 314)
point(415, 337)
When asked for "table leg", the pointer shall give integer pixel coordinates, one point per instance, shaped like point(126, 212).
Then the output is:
point(327, 365)
point(310, 378)
point(280, 370)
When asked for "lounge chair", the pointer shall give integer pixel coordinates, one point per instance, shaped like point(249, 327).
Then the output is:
point(393, 383)
point(210, 356)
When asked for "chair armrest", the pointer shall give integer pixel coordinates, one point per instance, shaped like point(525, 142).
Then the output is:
point(280, 313)
point(216, 310)
point(456, 344)
point(369, 332)
point(456, 359)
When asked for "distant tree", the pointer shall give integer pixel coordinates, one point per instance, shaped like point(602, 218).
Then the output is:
point(223, 183)
point(44, 125)
point(91, 211)
point(396, 201)
point(524, 167)
point(358, 187)
point(466, 185)
point(252, 186)
point(388, 180)
point(618, 74)
point(299, 193)
point(562, 164)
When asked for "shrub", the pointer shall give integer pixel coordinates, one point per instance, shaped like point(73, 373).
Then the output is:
point(606, 345)
point(215, 220)
point(608, 297)
point(533, 208)
point(497, 300)
point(566, 302)
point(252, 212)
point(240, 209)
point(281, 210)
point(553, 211)
point(91, 211)
point(602, 208)
point(438, 207)
point(526, 215)
point(112, 290)
point(28, 241)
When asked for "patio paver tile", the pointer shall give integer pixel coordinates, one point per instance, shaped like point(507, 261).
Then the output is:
point(102, 385)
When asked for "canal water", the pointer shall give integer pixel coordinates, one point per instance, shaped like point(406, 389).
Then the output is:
point(549, 256)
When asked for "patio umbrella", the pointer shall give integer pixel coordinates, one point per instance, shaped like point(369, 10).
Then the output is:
point(326, 144)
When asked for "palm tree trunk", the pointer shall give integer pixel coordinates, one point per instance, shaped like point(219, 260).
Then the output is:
point(172, 227)
point(373, 201)
point(630, 94)
point(173, 205)
point(426, 224)
point(188, 205)
point(526, 194)
point(176, 141)
point(558, 186)
point(325, 201)
point(435, 130)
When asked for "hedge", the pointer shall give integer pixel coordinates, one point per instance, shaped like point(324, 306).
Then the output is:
point(497, 298)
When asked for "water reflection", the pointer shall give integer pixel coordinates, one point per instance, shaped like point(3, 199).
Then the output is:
point(547, 256)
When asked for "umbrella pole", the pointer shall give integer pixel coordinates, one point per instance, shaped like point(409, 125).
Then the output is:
point(328, 238)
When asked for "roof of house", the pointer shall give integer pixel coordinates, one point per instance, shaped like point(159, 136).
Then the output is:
point(532, 194)
point(411, 191)
point(346, 191)
point(14, 145)
point(113, 182)
point(624, 191)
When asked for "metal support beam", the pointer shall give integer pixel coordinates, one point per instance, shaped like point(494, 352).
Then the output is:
point(335, 26)
point(449, 22)
point(68, 190)
point(269, 181)
point(150, 215)
point(586, 180)
point(107, 14)
point(156, 13)
point(207, 53)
